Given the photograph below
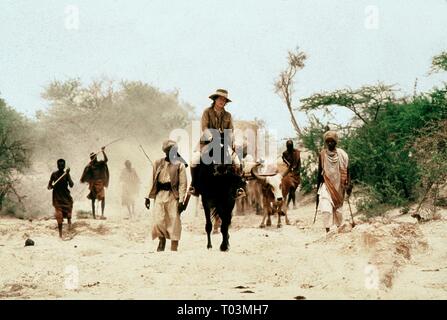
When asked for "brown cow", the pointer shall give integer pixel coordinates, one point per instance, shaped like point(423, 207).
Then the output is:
point(275, 189)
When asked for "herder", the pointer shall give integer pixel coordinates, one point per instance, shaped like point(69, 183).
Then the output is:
point(96, 174)
point(62, 200)
point(333, 180)
point(291, 157)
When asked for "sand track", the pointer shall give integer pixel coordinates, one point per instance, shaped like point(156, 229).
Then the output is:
point(116, 259)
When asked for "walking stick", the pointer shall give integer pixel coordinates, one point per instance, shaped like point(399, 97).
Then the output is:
point(352, 217)
point(65, 173)
point(316, 208)
point(109, 145)
point(142, 149)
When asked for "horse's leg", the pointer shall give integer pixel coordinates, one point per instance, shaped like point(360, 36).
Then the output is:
point(286, 217)
point(293, 194)
point(289, 198)
point(103, 205)
point(208, 224)
point(226, 220)
point(93, 208)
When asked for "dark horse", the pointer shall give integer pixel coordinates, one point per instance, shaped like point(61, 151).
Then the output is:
point(219, 183)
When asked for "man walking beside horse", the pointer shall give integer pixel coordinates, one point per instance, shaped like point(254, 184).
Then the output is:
point(168, 190)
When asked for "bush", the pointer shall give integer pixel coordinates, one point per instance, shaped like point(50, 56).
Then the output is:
point(308, 175)
point(382, 153)
point(15, 152)
point(312, 139)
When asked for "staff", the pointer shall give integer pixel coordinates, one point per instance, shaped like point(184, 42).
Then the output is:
point(65, 173)
point(142, 149)
point(95, 153)
point(350, 210)
point(316, 208)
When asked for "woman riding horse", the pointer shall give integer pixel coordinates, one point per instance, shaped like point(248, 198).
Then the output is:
point(214, 169)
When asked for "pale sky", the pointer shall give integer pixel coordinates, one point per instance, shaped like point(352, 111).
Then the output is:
point(197, 46)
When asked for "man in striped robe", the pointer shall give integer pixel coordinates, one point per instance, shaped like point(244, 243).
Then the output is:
point(333, 181)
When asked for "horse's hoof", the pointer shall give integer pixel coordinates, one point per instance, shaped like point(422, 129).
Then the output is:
point(288, 223)
point(224, 247)
point(269, 224)
point(279, 225)
point(262, 226)
point(209, 247)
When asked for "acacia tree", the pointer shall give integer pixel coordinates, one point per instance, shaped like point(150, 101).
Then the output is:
point(430, 147)
point(14, 150)
point(439, 63)
point(284, 85)
point(365, 102)
point(431, 153)
point(103, 111)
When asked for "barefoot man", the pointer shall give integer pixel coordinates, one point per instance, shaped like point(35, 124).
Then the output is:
point(62, 200)
point(96, 174)
point(333, 180)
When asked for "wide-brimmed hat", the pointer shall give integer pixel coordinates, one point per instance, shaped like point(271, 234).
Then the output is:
point(168, 144)
point(220, 93)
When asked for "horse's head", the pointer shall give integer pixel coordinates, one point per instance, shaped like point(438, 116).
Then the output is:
point(223, 169)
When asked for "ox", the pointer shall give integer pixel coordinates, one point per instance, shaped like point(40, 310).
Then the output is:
point(275, 189)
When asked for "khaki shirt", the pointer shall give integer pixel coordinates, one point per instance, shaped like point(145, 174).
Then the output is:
point(220, 121)
point(165, 171)
point(213, 120)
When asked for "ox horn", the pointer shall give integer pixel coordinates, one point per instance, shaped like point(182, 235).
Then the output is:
point(254, 171)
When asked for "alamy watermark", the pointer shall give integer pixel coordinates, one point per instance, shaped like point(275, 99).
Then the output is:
point(214, 146)
point(371, 277)
point(71, 17)
point(372, 17)
point(71, 277)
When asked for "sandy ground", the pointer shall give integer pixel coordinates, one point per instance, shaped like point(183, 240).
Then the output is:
point(392, 258)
